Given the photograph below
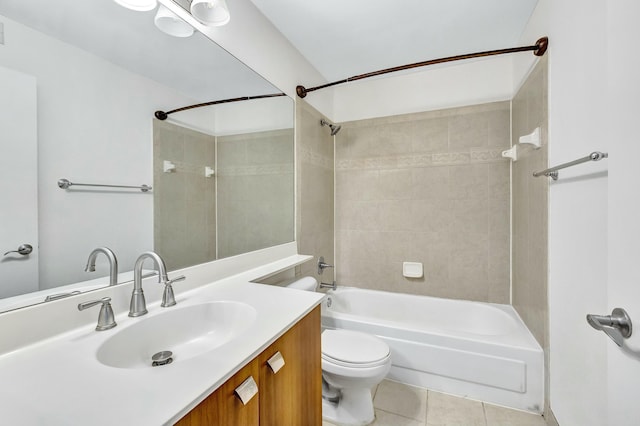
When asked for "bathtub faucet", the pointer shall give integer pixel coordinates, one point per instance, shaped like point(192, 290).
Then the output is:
point(332, 286)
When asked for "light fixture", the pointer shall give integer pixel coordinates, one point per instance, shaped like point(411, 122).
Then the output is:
point(211, 12)
point(138, 5)
point(169, 23)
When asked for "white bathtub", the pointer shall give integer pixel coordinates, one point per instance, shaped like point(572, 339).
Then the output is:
point(478, 350)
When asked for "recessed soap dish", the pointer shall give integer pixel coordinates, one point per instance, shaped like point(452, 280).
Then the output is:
point(412, 269)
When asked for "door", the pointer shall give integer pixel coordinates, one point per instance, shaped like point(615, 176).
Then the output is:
point(18, 182)
point(623, 80)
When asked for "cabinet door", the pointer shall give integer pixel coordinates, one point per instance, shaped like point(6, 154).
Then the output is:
point(292, 396)
point(224, 408)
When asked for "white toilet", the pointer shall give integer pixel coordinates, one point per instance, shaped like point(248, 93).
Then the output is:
point(352, 363)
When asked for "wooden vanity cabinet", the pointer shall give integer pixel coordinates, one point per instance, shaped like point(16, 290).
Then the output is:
point(292, 396)
point(224, 408)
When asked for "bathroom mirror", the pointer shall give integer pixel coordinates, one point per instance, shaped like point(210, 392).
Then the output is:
point(88, 77)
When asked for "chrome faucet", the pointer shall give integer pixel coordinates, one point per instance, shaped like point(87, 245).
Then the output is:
point(138, 305)
point(113, 263)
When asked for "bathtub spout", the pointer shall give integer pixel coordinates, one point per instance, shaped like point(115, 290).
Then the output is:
point(332, 286)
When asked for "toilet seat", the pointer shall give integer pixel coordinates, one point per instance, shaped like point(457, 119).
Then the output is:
point(353, 349)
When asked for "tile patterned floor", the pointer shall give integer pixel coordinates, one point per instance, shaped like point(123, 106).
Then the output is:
point(401, 405)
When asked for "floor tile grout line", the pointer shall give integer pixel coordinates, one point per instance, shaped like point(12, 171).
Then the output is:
point(399, 415)
point(426, 407)
point(484, 413)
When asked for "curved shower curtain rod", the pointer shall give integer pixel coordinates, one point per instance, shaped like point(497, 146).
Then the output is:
point(162, 115)
point(538, 49)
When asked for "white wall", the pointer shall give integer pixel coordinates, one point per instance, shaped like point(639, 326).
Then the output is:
point(110, 142)
point(623, 91)
point(253, 39)
point(577, 205)
point(432, 88)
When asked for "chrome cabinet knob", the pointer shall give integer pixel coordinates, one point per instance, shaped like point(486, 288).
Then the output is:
point(23, 249)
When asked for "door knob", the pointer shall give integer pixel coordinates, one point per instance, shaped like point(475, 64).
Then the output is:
point(617, 325)
point(23, 249)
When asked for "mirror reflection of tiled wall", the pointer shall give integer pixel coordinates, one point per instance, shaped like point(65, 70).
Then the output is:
point(184, 201)
point(253, 207)
point(255, 191)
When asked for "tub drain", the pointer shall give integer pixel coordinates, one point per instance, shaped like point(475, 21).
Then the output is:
point(161, 358)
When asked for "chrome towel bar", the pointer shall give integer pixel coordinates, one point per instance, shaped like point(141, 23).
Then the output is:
point(553, 171)
point(65, 184)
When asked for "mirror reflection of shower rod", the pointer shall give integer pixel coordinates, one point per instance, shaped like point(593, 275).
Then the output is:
point(162, 115)
point(538, 49)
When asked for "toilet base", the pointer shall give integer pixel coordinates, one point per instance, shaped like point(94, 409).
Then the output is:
point(355, 408)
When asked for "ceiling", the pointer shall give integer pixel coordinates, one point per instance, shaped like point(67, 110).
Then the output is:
point(343, 38)
point(339, 38)
point(131, 40)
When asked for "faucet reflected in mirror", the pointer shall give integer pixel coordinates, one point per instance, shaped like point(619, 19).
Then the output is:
point(113, 263)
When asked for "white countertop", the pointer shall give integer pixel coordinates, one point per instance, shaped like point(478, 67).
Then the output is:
point(59, 381)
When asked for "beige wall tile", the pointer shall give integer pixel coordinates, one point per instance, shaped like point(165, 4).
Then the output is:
point(430, 183)
point(430, 135)
point(468, 130)
point(469, 181)
point(315, 193)
point(530, 211)
point(430, 178)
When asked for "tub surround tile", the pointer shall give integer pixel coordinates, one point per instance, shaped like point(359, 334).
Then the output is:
point(437, 180)
point(316, 222)
point(468, 130)
point(530, 207)
point(470, 181)
point(530, 212)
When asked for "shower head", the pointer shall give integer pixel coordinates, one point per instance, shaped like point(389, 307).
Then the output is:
point(334, 129)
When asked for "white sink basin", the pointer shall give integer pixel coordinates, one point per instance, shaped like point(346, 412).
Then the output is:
point(186, 332)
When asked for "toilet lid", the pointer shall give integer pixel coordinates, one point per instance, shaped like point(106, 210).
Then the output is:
point(353, 347)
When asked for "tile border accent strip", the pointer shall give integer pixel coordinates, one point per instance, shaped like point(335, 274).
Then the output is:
point(473, 156)
point(310, 157)
point(264, 169)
